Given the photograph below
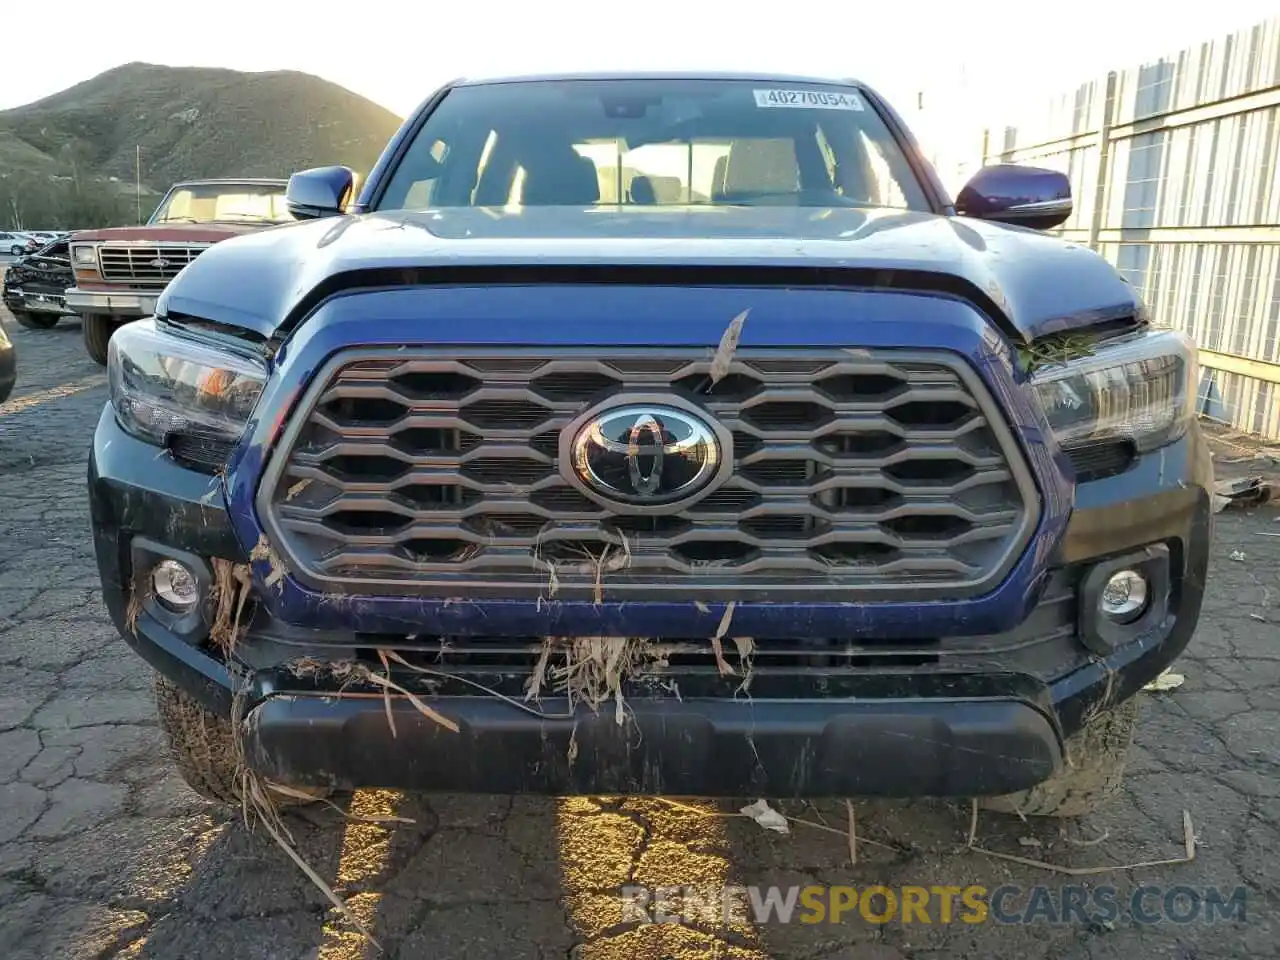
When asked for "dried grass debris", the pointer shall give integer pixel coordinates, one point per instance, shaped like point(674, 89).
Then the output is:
point(258, 800)
point(812, 824)
point(854, 839)
point(595, 670)
point(351, 672)
point(232, 588)
point(539, 676)
point(257, 803)
point(1055, 349)
point(853, 833)
point(1091, 842)
point(745, 647)
point(584, 560)
point(590, 670)
point(724, 354)
point(1188, 854)
point(263, 551)
point(717, 640)
point(133, 610)
point(389, 686)
point(438, 674)
point(297, 488)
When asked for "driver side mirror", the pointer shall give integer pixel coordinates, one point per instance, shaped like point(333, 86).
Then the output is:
point(1027, 196)
point(319, 192)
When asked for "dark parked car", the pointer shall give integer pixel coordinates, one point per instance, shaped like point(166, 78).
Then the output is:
point(655, 434)
point(35, 286)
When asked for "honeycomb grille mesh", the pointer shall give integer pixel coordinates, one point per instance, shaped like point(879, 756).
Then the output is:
point(853, 471)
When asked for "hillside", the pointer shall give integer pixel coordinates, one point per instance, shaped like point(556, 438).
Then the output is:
point(190, 122)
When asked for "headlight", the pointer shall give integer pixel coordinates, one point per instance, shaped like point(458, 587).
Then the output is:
point(162, 384)
point(1141, 389)
point(84, 254)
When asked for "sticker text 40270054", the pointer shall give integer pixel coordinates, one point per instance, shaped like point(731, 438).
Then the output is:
point(808, 99)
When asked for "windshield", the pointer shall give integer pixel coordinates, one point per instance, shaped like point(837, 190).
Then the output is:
point(227, 202)
point(653, 143)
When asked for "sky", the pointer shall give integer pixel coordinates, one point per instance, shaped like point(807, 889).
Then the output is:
point(987, 61)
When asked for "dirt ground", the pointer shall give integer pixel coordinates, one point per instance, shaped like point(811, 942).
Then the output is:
point(105, 853)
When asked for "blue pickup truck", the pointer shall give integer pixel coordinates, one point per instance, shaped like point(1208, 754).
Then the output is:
point(665, 434)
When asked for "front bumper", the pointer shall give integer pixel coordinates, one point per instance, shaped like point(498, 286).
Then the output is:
point(696, 748)
point(964, 727)
point(33, 301)
point(122, 304)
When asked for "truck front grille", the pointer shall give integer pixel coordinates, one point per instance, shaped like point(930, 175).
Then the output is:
point(856, 474)
point(145, 263)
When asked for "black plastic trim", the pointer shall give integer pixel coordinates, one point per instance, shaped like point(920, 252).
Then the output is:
point(915, 747)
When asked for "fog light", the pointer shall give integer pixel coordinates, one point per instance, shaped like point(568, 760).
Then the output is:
point(175, 586)
point(1124, 598)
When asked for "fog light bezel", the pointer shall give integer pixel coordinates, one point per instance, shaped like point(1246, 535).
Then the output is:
point(1103, 634)
point(1143, 602)
point(146, 555)
point(184, 570)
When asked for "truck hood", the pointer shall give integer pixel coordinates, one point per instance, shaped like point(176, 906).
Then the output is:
point(1038, 283)
point(171, 232)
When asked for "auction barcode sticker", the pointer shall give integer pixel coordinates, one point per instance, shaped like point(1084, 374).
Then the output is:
point(810, 99)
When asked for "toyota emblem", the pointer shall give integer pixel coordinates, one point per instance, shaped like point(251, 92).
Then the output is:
point(645, 457)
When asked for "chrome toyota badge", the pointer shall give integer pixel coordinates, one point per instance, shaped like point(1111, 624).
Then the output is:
point(646, 457)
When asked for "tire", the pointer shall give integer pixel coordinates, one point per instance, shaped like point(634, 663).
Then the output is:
point(98, 329)
point(35, 321)
point(16, 251)
point(203, 749)
point(1094, 769)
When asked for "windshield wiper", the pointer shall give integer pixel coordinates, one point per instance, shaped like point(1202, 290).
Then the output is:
point(178, 220)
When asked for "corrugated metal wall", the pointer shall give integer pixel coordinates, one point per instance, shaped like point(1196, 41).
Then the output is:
point(1175, 169)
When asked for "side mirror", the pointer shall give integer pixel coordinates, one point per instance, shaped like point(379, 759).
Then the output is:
point(1007, 193)
point(319, 192)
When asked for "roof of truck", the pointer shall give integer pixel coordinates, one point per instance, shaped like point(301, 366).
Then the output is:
point(269, 181)
point(761, 76)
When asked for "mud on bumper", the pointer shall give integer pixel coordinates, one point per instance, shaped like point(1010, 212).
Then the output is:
point(986, 715)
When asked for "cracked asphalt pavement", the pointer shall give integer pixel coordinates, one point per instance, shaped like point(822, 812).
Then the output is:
point(105, 853)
